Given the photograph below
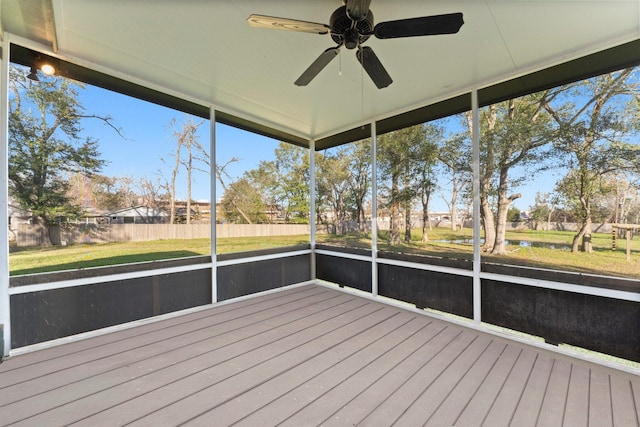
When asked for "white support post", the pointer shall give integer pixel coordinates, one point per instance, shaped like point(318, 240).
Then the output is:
point(213, 196)
point(475, 134)
point(5, 306)
point(312, 206)
point(374, 210)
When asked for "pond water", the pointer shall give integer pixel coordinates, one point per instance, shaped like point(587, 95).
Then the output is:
point(521, 243)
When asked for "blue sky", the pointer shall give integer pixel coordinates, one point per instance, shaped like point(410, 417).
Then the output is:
point(147, 139)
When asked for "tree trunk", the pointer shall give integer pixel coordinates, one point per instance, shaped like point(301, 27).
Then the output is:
point(425, 220)
point(394, 234)
point(362, 220)
point(587, 245)
point(454, 202)
point(189, 168)
point(454, 215)
point(407, 223)
point(488, 221)
point(394, 226)
point(584, 234)
point(407, 205)
point(488, 224)
point(174, 173)
point(504, 202)
point(575, 245)
point(499, 246)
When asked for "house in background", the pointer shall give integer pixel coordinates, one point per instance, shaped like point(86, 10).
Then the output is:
point(200, 211)
point(138, 215)
point(17, 216)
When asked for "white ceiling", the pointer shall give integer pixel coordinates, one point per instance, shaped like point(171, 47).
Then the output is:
point(205, 51)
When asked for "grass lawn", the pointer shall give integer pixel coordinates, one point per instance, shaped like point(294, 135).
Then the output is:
point(442, 243)
point(57, 258)
point(459, 244)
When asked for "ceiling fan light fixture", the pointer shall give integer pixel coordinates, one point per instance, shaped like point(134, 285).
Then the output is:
point(351, 39)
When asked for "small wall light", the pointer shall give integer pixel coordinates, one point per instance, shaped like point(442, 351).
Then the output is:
point(47, 69)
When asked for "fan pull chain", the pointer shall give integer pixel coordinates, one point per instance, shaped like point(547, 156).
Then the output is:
point(362, 91)
point(340, 59)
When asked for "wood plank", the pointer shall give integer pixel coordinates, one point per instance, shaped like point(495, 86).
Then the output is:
point(530, 403)
point(280, 347)
point(501, 410)
point(448, 364)
point(576, 411)
point(173, 328)
point(317, 409)
point(553, 405)
point(181, 341)
point(352, 411)
point(313, 376)
point(622, 402)
point(46, 355)
point(476, 409)
point(453, 403)
point(311, 402)
point(210, 397)
point(310, 356)
point(635, 391)
point(183, 368)
point(195, 352)
point(443, 400)
point(600, 411)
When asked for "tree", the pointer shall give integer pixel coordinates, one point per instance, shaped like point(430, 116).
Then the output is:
point(46, 143)
point(222, 175)
point(333, 185)
point(545, 205)
point(594, 126)
point(394, 159)
point(627, 196)
point(513, 215)
point(342, 184)
point(188, 138)
point(243, 204)
point(185, 138)
point(152, 192)
point(284, 182)
point(97, 191)
point(265, 180)
point(359, 154)
point(171, 185)
point(292, 165)
point(455, 155)
point(424, 180)
point(512, 133)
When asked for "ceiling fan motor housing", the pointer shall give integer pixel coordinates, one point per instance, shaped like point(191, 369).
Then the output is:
point(346, 31)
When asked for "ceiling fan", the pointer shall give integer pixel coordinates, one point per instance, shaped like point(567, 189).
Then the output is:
point(350, 26)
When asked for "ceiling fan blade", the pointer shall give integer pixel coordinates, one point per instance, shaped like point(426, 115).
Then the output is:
point(425, 26)
point(273, 22)
point(373, 67)
point(358, 9)
point(317, 66)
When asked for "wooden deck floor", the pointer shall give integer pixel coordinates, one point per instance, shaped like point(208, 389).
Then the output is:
point(308, 356)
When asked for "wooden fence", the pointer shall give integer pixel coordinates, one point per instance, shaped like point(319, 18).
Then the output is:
point(29, 235)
